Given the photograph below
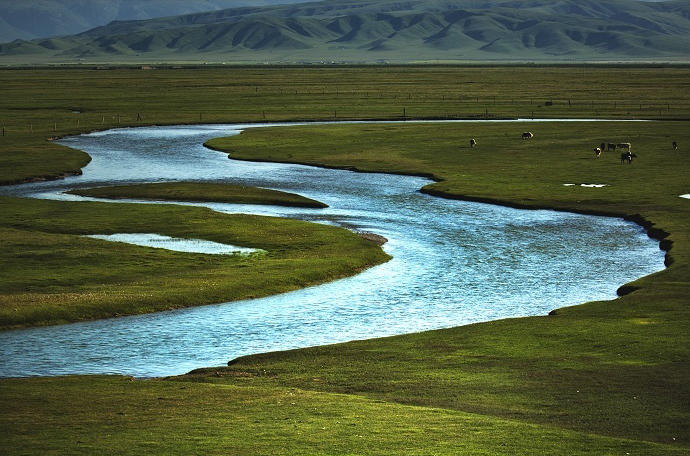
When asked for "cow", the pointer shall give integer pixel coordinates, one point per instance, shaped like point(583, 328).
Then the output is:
point(675, 145)
point(627, 157)
point(610, 146)
point(626, 146)
point(602, 146)
point(473, 143)
point(527, 135)
point(597, 150)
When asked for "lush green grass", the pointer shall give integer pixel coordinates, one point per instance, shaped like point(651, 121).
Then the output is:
point(41, 103)
point(52, 274)
point(201, 191)
point(86, 415)
point(503, 167)
point(108, 416)
point(617, 368)
point(601, 378)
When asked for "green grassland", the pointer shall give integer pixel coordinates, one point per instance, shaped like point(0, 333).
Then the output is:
point(617, 368)
point(599, 378)
point(117, 416)
point(52, 274)
point(201, 192)
point(43, 103)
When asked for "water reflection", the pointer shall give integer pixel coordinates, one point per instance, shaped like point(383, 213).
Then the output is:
point(176, 244)
point(453, 263)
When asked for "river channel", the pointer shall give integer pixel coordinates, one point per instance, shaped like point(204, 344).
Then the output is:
point(453, 263)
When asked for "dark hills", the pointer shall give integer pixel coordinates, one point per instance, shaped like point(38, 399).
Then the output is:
point(29, 19)
point(368, 31)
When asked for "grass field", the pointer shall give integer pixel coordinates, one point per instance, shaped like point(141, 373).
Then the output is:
point(600, 378)
point(44, 103)
point(53, 274)
point(585, 367)
point(201, 192)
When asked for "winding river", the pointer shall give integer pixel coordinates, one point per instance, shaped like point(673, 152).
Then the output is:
point(454, 263)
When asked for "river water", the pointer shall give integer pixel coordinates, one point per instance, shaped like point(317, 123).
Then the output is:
point(453, 263)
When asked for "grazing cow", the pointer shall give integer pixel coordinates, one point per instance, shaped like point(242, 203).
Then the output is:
point(597, 150)
point(603, 146)
point(627, 157)
point(473, 143)
point(610, 146)
point(675, 145)
point(527, 135)
point(625, 146)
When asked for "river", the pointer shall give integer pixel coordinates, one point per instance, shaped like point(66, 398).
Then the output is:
point(453, 263)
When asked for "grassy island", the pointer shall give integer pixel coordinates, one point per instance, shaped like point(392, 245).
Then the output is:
point(201, 192)
point(58, 275)
point(604, 378)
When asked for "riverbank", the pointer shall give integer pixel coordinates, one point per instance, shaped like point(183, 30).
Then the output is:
point(201, 192)
point(501, 170)
point(599, 378)
point(60, 275)
point(583, 367)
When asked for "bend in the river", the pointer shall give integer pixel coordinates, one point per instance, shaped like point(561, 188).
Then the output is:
point(454, 262)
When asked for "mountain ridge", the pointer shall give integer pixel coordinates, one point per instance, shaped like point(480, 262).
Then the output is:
point(369, 30)
point(31, 19)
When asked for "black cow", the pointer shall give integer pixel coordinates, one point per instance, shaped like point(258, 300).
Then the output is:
point(627, 157)
point(610, 146)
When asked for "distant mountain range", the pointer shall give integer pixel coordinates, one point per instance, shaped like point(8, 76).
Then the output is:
point(29, 19)
point(384, 30)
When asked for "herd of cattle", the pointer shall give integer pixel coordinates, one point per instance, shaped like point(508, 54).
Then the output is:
point(626, 156)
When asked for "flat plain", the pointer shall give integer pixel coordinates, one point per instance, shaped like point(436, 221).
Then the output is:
point(599, 378)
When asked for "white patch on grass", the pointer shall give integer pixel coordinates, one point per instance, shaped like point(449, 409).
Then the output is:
point(587, 185)
point(177, 244)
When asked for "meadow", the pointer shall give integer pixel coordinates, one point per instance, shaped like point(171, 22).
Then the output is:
point(599, 378)
point(201, 192)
